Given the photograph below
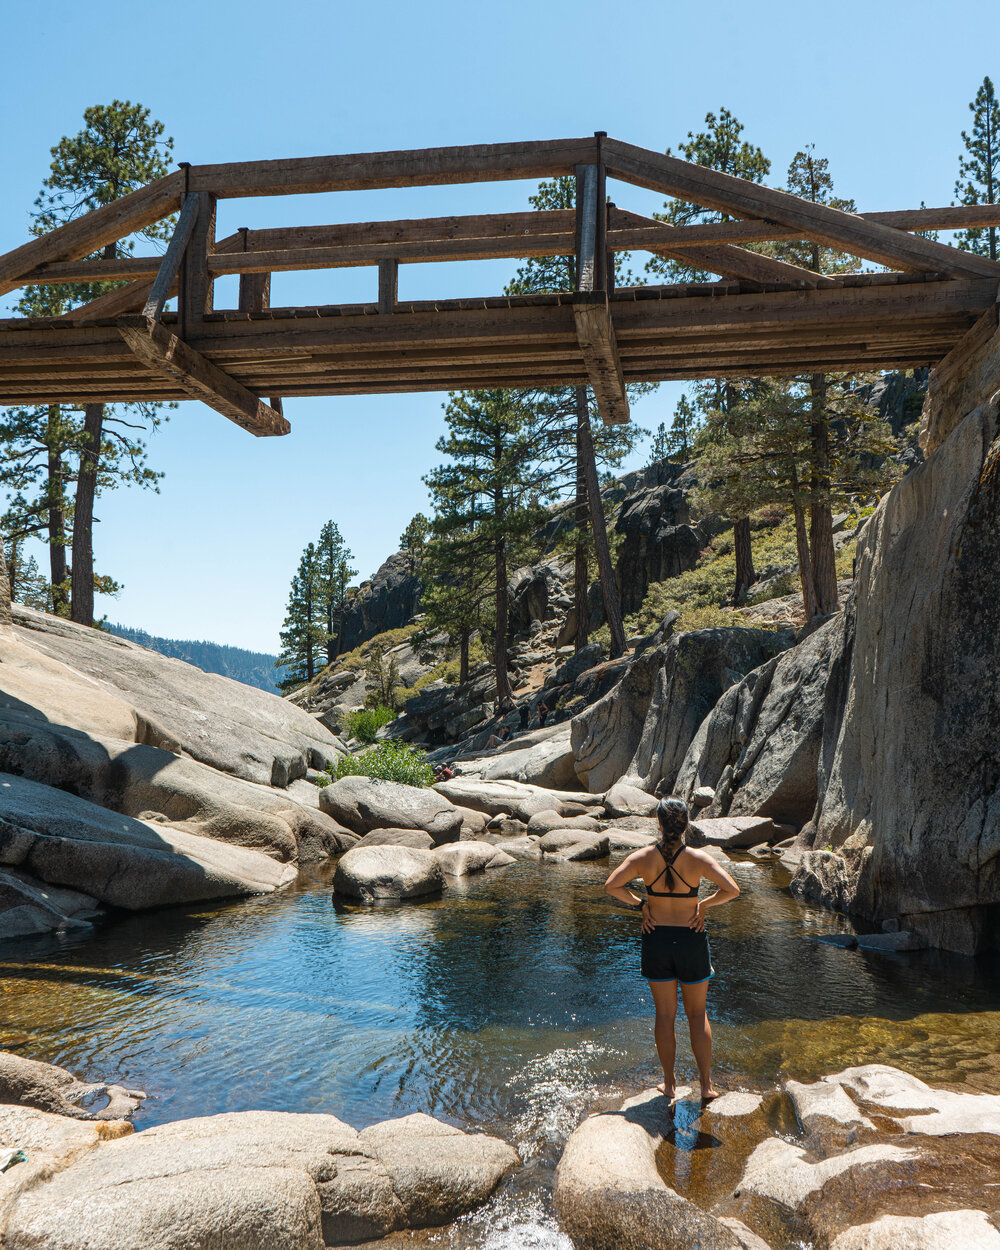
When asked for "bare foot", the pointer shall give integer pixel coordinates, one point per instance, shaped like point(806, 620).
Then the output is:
point(668, 1090)
point(708, 1094)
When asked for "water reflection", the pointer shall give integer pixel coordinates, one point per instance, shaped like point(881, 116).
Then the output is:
point(512, 1003)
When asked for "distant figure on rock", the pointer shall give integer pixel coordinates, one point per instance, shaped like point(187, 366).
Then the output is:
point(443, 772)
point(674, 941)
point(524, 715)
point(501, 736)
point(543, 713)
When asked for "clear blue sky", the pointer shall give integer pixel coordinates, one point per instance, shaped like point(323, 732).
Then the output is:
point(880, 87)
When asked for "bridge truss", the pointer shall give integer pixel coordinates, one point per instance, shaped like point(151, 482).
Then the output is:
point(766, 317)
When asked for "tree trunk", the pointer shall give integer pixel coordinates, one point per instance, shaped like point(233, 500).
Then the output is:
point(802, 548)
point(55, 495)
point(820, 513)
point(82, 598)
point(500, 642)
point(609, 587)
point(581, 570)
point(463, 657)
point(745, 573)
point(5, 617)
point(331, 642)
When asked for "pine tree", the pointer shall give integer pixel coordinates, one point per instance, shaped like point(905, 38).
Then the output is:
point(302, 634)
point(486, 496)
point(119, 149)
point(719, 146)
point(677, 443)
point(381, 677)
point(979, 168)
point(332, 577)
point(413, 541)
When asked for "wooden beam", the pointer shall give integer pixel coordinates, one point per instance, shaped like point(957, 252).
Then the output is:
point(124, 299)
point(255, 296)
point(425, 167)
point(980, 333)
point(166, 276)
point(165, 353)
point(388, 285)
point(847, 231)
point(596, 336)
point(194, 278)
point(89, 233)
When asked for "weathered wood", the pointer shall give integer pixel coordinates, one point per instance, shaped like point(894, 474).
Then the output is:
point(166, 276)
point(388, 285)
point(63, 272)
point(200, 379)
point(255, 292)
point(596, 336)
point(94, 230)
point(847, 231)
point(981, 332)
point(123, 299)
point(194, 278)
point(425, 167)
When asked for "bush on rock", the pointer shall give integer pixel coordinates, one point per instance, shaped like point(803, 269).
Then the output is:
point(389, 761)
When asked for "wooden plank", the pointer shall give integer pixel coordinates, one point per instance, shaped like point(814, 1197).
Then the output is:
point(980, 333)
point(123, 299)
point(847, 231)
point(198, 377)
point(89, 233)
point(596, 336)
point(388, 285)
point(63, 272)
point(423, 167)
point(194, 278)
point(166, 275)
point(255, 292)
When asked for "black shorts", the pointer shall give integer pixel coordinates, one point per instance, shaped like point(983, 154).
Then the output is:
point(676, 953)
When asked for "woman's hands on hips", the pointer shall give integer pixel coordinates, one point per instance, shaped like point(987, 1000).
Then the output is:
point(648, 924)
point(697, 921)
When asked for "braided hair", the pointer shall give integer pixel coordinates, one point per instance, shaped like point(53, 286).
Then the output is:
point(672, 816)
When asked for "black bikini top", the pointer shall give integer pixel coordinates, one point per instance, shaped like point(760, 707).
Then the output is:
point(690, 892)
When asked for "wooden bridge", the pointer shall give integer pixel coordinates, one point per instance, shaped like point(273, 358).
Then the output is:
point(766, 317)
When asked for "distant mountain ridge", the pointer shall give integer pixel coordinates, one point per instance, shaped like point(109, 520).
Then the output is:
point(252, 668)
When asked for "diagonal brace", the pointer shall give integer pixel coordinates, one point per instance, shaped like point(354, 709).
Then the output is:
point(165, 353)
point(596, 336)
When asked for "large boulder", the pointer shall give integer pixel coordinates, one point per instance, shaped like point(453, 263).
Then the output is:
point(658, 538)
point(389, 600)
point(512, 798)
point(258, 1178)
point(388, 874)
point(235, 728)
point(543, 757)
point(458, 859)
point(363, 804)
point(910, 763)
point(29, 906)
point(150, 783)
point(63, 840)
point(610, 1195)
point(758, 749)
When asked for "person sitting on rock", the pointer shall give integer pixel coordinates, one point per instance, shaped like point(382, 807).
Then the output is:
point(500, 737)
point(674, 944)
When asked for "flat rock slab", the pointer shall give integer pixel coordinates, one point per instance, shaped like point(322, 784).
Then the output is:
point(942, 1230)
point(735, 1103)
point(362, 804)
point(512, 798)
point(933, 1112)
point(891, 942)
point(733, 832)
point(544, 822)
point(574, 844)
point(520, 848)
point(783, 1172)
point(388, 873)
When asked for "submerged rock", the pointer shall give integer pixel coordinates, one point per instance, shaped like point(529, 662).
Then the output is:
point(30, 1083)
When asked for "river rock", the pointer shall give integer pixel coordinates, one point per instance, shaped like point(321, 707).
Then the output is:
point(437, 1171)
point(235, 728)
point(757, 751)
point(624, 799)
point(150, 783)
point(29, 906)
point(544, 822)
point(30, 1083)
point(941, 1230)
point(58, 838)
point(731, 832)
point(829, 1118)
point(891, 942)
point(458, 859)
point(363, 804)
point(391, 873)
point(510, 798)
point(914, 686)
point(784, 1174)
point(520, 848)
point(543, 757)
point(609, 1191)
point(934, 1112)
point(574, 844)
point(259, 1178)
point(630, 840)
point(415, 838)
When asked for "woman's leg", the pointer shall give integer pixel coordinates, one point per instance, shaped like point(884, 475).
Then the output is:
point(665, 999)
point(695, 999)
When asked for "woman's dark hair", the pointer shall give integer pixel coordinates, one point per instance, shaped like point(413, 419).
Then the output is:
point(673, 818)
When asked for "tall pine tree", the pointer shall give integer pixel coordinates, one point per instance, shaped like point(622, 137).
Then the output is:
point(302, 635)
point(979, 168)
point(333, 574)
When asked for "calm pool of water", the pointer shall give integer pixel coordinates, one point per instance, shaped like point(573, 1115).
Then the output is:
point(511, 1004)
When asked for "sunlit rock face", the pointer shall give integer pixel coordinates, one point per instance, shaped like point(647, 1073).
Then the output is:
point(909, 774)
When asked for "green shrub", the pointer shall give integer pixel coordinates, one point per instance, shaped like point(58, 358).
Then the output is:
point(365, 723)
point(389, 761)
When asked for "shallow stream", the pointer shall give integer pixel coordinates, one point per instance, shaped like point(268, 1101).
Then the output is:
point(512, 1004)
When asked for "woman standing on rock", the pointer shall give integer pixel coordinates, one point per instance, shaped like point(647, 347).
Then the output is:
point(674, 941)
